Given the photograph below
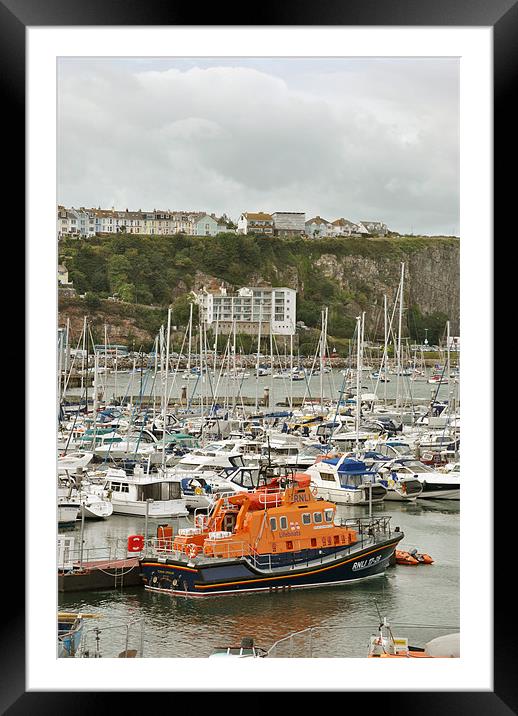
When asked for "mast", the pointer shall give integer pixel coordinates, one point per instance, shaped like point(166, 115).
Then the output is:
point(96, 377)
point(385, 350)
point(448, 365)
point(190, 347)
point(399, 368)
point(105, 382)
point(201, 370)
point(322, 329)
point(258, 354)
point(87, 370)
point(216, 340)
point(83, 354)
point(291, 369)
point(358, 402)
point(271, 363)
point(234, 367)
point(164, 406)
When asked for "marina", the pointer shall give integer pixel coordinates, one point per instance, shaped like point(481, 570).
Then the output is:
point(258, 416)
point(322, 494)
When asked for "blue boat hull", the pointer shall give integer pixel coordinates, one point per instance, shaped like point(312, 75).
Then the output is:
point(239, 575)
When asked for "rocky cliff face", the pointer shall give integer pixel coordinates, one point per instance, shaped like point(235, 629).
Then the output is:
point(431, 279)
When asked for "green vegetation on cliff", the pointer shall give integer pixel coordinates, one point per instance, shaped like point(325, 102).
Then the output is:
point(160, 270)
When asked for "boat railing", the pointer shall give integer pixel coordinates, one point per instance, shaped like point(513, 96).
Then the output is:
point(161, 547)
point(120, 635)
point(265, 498)
point(70, 559)
point(369, 528)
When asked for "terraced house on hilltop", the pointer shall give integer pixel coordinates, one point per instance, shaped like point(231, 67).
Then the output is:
point(85, 222)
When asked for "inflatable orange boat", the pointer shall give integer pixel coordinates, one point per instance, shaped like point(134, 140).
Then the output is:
point(412, 558)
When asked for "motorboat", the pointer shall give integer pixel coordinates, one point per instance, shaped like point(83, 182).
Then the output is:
point(245, 650)
point(380, 377)
point(290, 451)
point(95, 504)
point(436, 485)
point(385, 645)
point(70, 631)
point(87, 496)
point(437, 380)
point(346, 481)
point(277, 538)
point(67, 512)
point(391, 449)
point(400, 488)
point(439, 440)
point(71, 462)
point(349, 440)
point(134, 492)
point(201, 490)
point(114, 446)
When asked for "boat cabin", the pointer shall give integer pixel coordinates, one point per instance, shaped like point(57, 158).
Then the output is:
point(284, 517)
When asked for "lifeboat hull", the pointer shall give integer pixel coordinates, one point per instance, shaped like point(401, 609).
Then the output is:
point(216, 577)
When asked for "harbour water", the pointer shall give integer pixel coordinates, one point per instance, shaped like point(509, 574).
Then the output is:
point(421, 602)
point(143, 383)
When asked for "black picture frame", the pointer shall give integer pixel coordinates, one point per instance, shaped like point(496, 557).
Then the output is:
point(502, 16)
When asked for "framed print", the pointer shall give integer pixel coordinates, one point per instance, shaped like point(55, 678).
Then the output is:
point(332, 170)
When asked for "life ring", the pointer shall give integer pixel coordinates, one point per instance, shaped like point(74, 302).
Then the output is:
point(193, 550)
point(198, 491)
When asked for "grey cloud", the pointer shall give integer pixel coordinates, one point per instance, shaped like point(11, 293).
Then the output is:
point(366, 139)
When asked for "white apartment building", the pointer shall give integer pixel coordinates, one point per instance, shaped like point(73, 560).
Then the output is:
point(272, 308)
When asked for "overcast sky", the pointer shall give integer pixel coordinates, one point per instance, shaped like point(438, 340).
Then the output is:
point(371, 139)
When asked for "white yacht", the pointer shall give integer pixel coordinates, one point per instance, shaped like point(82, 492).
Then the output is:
point(71, 462)
point(67, 512)
point(117, 447)
point(346, 481)
point(201, 490)
point(290, 451)
point(131, 494)
point(74, 491)
point(400, 488)
point(436, 485)
point(347, 441)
